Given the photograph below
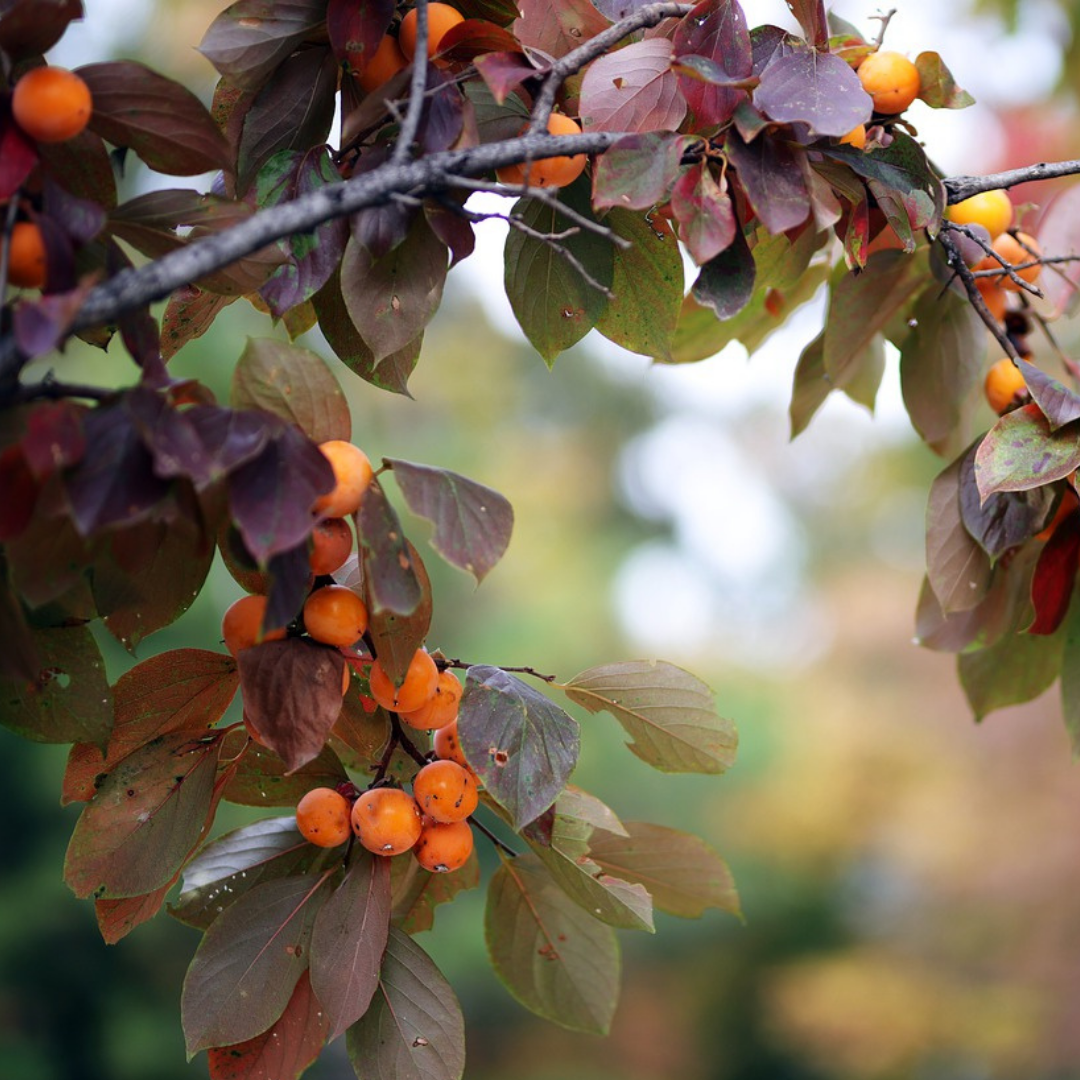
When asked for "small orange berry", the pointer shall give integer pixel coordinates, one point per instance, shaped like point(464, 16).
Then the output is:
point(443, 846)
point(386, 820)
point(891, 80)
point(322, 816)
point(27, 258)
point(1004, 386)
point(417, 688)
point(241, 625)
point(335, 615)
point(445, 791)
point(352, 475)
point(51, 104)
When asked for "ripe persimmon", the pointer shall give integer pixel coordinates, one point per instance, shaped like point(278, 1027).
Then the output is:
point(993, 296)
point(386, 820)
point(891, 80)
point(445, 791)
point(386, 61)
point(440, 18)
point(855, 137)
point(1016, 251)
point(322, 816)
point(1069, 502)
point(335, 615)
point(417, 688)
point(51, 104)
point(27, 258)
point(241, 625)
point(443, 846)
point(553, 172)
point(441, 709)
point(331, 545)
point(991, 209)
point(352, 475)
point(1004, 386)
point(447, 746)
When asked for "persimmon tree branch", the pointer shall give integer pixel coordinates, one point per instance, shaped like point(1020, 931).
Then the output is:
point(958, 188)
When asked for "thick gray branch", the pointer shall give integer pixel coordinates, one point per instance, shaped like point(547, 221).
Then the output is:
point(958, 188)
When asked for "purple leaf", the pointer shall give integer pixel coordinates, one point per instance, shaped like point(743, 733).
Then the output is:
point(815, 89)
point(726, 282)
point(290, 581)
point(355, 30)
point(555, 29)
point(444, 113)
point(1059, 404)
point(702, 207)
point(811, 16)
point(32, 27)
point(390, 578)
point(638, 172)
point(472, 522)
point(504, 72)
point(633, 89)
point(715, 29)
point(770, 175)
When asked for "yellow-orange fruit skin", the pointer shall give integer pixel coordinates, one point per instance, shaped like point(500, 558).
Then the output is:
point(441, 709)
point(444, 846)
point(352, 475)
point(991, 209)
point(558, 171)
point(386, 820)
point(441, 17)
point(385, 63)
point(323, 817)
point(1003, 383)
point(51, 104)
point(27, 258)
point(855, 137)
point(242, 623)
point(445, 791)
point(1016, 251)
point(418, 687)
point(891, 80)
point(447, 745)
point(331, 545)
point(993, 296)
point(335, 615)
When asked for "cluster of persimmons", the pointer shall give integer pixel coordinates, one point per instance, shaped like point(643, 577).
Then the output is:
point(386, 819)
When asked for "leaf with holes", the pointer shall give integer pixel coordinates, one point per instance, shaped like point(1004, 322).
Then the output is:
point(633, 89)
point(669, 714)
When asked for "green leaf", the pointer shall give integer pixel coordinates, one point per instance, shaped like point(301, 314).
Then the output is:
point(811, 385)
point(69, 698)
point(261, 779)
point(669, 714)
point(348, 940)
point(397, 637)
point(648, 285)
point(554, 304)
point(415, 892)
point(148, 815)
point(551, 954)
point(246, 967)
point(683, 874)
point(293, 383)
point(1016, 669)
point(521, 745)
point(413, 1029)
point(937, 87)
point(1020, 452)
point(472, 521)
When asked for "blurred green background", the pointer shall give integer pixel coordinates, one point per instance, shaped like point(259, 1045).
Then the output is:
point(908, 878)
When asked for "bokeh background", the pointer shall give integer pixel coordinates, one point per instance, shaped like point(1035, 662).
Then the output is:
point(909, 878)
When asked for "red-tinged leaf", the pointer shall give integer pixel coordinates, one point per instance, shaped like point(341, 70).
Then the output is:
point(812, 19)
point(633, 89)
point(453, 230)
point(20, 493)
point(937, 87)
point(816, 89)
point(188, 315)
point(355, 30)
point(716, 30)
point(245, 970)
point(1005, 519)
point(472, 521)
point(392, 373)
point(669, 714)
point(147, 816)
point(54, 437)
point(638, 172)
point(293, 383)
point(292, 695)
point(117, 918)
point(1018, 668)
point(315, 255)
point(647, 283)
point(18, 154)
point(957, 568)
point(554, 305)
point(393, 298)
point(19, 659)
point(520, 743)
point(704, 213)
point(553, 956)
point(348, 942)
point(32, 27)
point(234, 864)
point(1055, 576)
point(1060, 404)
point(862, 305)
point(503, 73)
point(770, 175)
point(473, 38)
point(290, 582)
point(260, 778)
point(83, 166)
point(292, 111)
point(115, 482)
point(283, 1051)
point(80, 218)
point(397, 637)
point(1058, 236)
point(443, 118)
point(416, 892)
point(555, 29)
point(1021, 452)
point(68, 699)
point(414, 1029)
point(249, 39)
point(185, 690)
point(361, 733)
point(157, 118)
point(683, 874)
point(270, 496)
point(391, 582)
point(726, 281)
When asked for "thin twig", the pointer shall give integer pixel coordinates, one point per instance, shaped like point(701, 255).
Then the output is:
point(54, 390)
point(383, 763)
point(885, 19)
point(465, 665)
point(413, 114)
point(405, 742)
point(492, 837)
